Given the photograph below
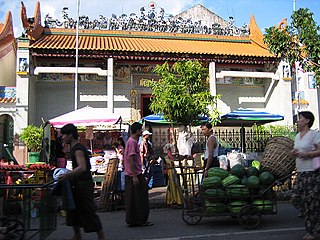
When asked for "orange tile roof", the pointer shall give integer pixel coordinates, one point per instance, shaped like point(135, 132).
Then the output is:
point(150, 42)
point(6, 32)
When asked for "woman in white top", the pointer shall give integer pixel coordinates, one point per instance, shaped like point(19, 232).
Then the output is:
point(306, 190)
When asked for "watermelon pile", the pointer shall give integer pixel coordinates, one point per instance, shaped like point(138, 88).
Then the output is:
point(231, 191)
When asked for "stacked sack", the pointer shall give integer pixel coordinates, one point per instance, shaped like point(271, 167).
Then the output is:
point(230, 191)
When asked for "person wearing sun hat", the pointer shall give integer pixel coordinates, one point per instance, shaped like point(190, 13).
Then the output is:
point(146, 154)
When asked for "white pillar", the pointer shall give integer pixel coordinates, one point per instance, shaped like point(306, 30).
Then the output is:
point(212, 78)
point(22, 104)
point(110, 85)
point(25, 100)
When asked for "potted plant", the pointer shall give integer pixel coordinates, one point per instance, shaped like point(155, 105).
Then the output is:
point(32, 136)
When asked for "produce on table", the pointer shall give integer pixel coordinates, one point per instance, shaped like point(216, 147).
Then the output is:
point(8, 167)
point(40, 166)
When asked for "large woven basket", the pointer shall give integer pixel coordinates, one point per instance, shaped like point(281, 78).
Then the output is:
point(277, 157)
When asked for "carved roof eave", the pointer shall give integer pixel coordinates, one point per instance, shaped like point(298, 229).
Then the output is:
point(6, 29)
point(255, 33)
point(33, 29)
point(145, 56)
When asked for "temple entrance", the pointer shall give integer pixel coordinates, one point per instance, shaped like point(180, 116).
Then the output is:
point(6, 134)
point(145, 105)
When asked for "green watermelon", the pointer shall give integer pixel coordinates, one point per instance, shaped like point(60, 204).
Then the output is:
point(236, 206)
point(217, 172)
point(230, 180)
point(214, 193)
point(238, 170)
point(211, 182)
point(244, 180)
point(252, 171)
point(253, 182)
point(266, 178)
point(237, 190)
point(214, 207)
point(263, 205)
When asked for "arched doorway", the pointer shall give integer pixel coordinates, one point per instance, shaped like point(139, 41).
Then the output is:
point(6, 134)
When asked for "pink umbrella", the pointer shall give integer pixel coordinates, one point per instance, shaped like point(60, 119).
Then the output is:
point(86, 116)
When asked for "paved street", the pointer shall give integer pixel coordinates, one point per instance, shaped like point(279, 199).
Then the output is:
point(168, 225)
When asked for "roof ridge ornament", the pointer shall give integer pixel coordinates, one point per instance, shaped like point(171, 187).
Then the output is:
point(155, 20)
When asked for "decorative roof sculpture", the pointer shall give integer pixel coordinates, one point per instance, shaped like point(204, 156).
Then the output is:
point(153, 20)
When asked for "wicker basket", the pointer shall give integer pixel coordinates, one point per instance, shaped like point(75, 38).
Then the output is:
point(277, 157)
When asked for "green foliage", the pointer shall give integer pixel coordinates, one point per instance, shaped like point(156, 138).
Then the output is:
point(32, 136)
point(182, 92)
point(300, 41)
point(277, 130)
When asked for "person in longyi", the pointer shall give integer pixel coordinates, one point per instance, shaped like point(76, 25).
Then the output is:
point(136, 187)
point(84, 215)
point(306, 189)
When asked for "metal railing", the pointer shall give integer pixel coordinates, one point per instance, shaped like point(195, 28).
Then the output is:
point(255, 141)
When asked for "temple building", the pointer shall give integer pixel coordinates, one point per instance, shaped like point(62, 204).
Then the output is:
point(111, 56)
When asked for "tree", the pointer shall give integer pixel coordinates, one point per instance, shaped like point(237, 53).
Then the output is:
point(299, 41)
point(182, 93)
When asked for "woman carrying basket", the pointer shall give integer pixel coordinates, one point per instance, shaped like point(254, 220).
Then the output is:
point(306, 190)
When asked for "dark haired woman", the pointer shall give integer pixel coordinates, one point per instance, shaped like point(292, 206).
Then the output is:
point(306, 190)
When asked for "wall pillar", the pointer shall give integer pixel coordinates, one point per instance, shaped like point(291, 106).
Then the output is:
point(110, 96)
point(22, 86)
point(212, 78)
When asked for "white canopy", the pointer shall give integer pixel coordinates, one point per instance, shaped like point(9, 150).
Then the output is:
point(86, 116)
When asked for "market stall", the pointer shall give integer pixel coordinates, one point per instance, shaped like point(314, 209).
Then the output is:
point(24, 196)
point(98, 130)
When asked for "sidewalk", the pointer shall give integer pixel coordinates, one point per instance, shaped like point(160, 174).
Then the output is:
point(157, 197)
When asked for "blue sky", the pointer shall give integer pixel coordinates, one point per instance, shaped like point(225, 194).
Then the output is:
point(266, 12)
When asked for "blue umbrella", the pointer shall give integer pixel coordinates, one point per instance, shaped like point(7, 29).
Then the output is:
point(247, 118)
point(155, 118)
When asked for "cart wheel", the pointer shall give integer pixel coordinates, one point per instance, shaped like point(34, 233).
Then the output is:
point(190, 217)
point(249, 217)
point(15, 229)
point(197, 199)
